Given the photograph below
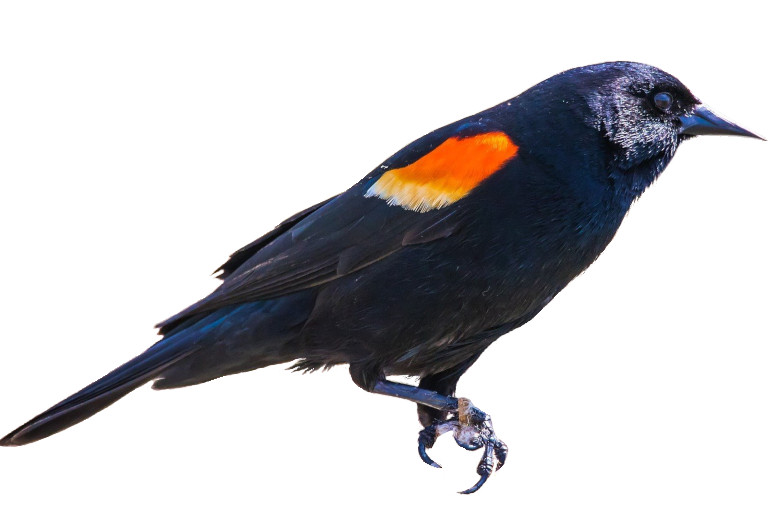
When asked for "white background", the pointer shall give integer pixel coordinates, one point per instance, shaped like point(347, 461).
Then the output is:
point(142, 142)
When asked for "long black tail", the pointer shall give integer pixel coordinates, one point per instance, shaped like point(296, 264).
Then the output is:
point(103, 392)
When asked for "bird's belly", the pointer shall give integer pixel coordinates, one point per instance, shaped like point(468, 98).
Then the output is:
point(426, 313)
point(429, 305)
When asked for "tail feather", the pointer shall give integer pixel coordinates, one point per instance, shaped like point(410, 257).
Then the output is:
point(103, 392)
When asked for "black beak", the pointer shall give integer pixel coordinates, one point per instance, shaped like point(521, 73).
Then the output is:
point(702, 121)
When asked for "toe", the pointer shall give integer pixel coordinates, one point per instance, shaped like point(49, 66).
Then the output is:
point(468, 437)
point(501, 453)
point(477, 485)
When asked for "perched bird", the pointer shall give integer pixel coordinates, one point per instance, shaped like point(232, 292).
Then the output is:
point(460, 237)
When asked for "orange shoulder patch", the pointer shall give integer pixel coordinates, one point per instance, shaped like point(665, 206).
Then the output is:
point(446, 174)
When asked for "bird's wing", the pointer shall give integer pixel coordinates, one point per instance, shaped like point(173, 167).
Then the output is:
point(408, 200)
point(245, 253)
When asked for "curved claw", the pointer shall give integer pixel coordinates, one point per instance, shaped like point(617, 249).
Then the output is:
point(477, 486)
point(426, 439)
point(425, 457)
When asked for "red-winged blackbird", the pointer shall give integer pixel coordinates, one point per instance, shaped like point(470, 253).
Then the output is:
point(457, 239)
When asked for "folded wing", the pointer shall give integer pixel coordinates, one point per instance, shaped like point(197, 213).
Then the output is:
point(363, 225)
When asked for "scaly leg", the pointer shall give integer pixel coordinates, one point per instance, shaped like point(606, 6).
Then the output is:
point(472, 428)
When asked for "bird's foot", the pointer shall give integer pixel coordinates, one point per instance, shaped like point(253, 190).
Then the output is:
point(472, 430)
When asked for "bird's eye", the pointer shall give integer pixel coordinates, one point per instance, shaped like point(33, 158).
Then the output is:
point(663, 101)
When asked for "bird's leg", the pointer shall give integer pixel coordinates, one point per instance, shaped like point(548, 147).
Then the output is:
point(472, 428)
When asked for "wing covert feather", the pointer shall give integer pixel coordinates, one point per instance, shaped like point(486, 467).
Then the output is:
point(336, 237)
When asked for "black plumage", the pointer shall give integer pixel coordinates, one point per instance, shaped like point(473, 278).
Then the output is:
point(423, 288)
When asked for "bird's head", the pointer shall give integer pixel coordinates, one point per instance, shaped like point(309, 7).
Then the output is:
point(640, 113)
